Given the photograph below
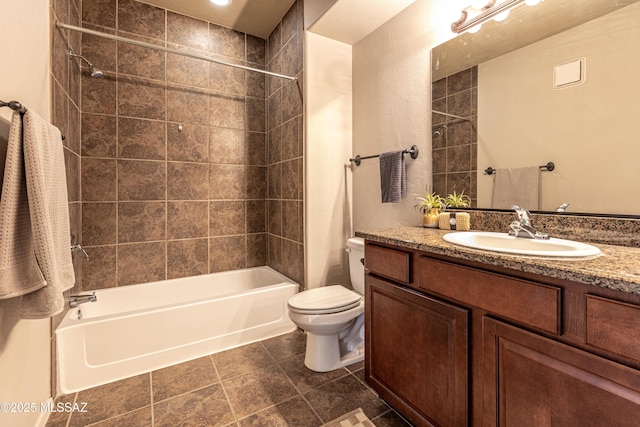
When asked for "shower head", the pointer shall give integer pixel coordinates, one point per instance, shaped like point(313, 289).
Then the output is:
point(93, 71)
point(437, 132)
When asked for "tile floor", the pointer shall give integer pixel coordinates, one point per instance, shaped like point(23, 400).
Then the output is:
point(260, 384)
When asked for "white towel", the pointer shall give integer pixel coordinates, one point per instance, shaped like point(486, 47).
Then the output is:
point(19, 271)
point(393, 177)
point(517, 186)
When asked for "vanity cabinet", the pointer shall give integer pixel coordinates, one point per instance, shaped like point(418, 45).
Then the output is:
point(453, 343)
point(416, 354)
point(529, 380)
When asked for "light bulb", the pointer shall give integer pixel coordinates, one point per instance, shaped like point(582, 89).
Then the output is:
point(501, 16)
point(221, 2)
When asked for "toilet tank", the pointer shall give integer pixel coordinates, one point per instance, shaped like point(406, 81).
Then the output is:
point(355, 248)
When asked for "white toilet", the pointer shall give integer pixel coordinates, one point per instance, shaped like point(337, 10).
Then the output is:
point(333, 317)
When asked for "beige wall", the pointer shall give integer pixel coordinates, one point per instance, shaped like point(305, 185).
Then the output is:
point(24, 346)
point(392, 108)
point(585, 129)
point(328, 148)
point(385, 106)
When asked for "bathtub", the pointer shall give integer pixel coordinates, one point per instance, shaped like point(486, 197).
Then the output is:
point(139, 328)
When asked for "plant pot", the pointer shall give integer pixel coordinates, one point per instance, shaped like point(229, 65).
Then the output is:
point(430, 218)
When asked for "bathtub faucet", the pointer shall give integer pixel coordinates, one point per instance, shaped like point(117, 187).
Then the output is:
point(76, 300)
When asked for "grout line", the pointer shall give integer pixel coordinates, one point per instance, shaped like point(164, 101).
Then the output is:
point(224, 390)
point(304, 398)
point(153, 412)
point(71, 414)
point(299, 393)
point(100, 422)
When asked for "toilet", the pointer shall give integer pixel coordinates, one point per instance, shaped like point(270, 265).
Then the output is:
point(333, 317)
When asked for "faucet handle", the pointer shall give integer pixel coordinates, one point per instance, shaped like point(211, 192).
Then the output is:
point(523, 214)
point(76, 247)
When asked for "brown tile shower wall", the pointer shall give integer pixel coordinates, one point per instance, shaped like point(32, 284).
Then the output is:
point(285, 154)
point(174, 149)
point(454, 142)
point(65, 114)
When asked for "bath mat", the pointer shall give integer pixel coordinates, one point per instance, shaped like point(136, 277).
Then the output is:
point(355, 418)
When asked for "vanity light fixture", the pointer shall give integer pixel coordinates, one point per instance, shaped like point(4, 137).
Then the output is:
point(496, 9)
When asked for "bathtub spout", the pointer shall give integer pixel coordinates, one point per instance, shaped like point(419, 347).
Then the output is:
point(76, 300)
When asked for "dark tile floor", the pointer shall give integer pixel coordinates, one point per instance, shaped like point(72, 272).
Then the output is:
point(260, 384)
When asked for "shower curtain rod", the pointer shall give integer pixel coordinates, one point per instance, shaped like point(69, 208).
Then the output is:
point(466, 119)
point(167, 49)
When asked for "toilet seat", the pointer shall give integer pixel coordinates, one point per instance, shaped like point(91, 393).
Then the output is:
point(324, 300)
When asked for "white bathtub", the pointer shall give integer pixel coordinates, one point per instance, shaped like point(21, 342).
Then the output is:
point(139, 328)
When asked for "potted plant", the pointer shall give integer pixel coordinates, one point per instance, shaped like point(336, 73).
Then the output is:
point(455, 200)
point(457, 220)
point(430, 204)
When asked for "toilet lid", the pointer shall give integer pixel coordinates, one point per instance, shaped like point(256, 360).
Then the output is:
point(324, 300)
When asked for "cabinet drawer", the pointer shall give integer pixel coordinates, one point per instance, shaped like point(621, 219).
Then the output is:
point(613, 326)
point(532, 304)
point(390, 263)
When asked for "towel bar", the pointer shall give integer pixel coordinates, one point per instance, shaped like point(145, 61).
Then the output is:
point(413, 151)
point(16, 106)
point(548, 167)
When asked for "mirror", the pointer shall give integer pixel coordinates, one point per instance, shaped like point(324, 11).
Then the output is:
point(511, 89)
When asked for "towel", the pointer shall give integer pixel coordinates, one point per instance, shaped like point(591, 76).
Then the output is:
point(393, 176)
point(44, 229)
point(19, 271)
point(517, 186)
point(49, 211)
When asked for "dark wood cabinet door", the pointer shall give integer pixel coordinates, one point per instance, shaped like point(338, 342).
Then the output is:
point(417, 354)
point(529, 380)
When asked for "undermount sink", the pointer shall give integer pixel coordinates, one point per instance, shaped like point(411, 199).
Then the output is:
point(502, 242)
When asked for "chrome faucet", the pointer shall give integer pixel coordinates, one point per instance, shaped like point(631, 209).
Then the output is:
point(563, 207)
point(524, 227)
point(76, 300)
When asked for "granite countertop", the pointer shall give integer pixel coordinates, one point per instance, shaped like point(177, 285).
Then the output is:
point(617, 268)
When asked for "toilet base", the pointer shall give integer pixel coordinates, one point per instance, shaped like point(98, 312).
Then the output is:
point(326, 353)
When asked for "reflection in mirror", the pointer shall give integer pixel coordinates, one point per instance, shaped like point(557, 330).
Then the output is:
point(568, 98)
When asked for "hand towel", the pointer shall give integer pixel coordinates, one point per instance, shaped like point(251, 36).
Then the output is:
point(517, 186)
point(49, 210)
point(393, 177)
point(19, 271)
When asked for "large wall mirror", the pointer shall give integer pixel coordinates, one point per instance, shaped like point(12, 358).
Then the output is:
point(507, 104)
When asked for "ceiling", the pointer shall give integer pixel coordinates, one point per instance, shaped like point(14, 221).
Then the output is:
point(256, 17)
point(349, 21)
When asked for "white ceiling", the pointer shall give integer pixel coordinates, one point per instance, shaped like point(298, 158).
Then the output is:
point(256, 17)
point(349, 21)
